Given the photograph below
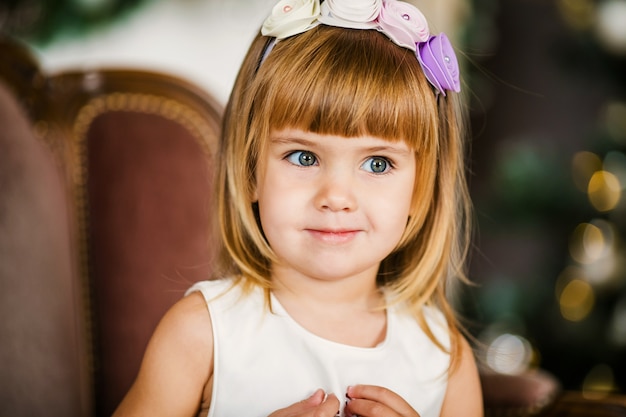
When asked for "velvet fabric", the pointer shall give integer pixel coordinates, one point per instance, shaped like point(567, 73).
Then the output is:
point(40, 343)
point(149, 202)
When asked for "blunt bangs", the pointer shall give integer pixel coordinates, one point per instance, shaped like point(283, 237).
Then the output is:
point(346, 83)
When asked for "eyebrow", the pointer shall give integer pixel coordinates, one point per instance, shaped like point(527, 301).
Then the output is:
point(389, 149)
point(288, 140)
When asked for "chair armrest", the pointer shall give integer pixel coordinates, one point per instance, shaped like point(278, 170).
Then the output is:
point(576, 404)
point(518, 395)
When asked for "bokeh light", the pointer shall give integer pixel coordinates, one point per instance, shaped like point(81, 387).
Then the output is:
point(587, 244)
point(576, 300)
point(597, 257)
point(609, 26)
point(604, 191)
point(509, 354)
point(592, 242)
point(599, 382)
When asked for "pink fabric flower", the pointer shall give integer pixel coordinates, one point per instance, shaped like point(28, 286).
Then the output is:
point(290, 17)
point(403, 23)
point(438, 60)
point(353, 14)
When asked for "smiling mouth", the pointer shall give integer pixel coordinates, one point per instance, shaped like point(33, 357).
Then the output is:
point(333, 236)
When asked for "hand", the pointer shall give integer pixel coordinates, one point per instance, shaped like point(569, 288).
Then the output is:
point(317, 405)
point(373, 401)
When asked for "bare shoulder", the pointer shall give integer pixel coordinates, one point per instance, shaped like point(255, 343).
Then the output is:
point(177, 365)
point(188, 318)
point(464, 394)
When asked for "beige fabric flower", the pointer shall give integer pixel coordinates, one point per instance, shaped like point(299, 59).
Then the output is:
point(290, 17)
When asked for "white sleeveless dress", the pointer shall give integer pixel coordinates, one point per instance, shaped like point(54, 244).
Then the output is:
point(264, 361)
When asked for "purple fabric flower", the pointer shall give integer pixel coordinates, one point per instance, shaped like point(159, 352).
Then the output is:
point(439, 63)
point(403, 23)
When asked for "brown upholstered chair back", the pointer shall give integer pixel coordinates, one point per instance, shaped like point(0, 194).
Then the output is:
point(139, 157)
point(135, 149)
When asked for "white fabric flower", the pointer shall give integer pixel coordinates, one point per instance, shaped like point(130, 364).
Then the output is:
point(354, 14)
point(403, 23)
point(290, 17)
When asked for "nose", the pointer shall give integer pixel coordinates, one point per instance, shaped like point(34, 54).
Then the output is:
point(336, 192)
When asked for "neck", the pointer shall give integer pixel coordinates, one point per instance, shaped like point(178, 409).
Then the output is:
point(345, 310)
point(355, 292)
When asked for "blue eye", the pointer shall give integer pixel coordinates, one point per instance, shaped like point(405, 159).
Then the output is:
point(302, 158)
point(376, 165)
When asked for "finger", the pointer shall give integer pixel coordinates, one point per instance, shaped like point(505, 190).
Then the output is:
point(308, 404)
point(367, 408)
point(329, 408)
point(372, 400)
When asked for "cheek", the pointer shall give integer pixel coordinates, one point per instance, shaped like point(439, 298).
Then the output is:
point(399, 221)
point(266, 210)
point(401, 209)
point(394, 212)
point(276, 211)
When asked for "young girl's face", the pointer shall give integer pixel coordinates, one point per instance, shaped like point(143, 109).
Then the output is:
point(333, 207)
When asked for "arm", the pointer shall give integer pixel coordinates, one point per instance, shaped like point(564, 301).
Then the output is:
point(464, 395)
point(177, 364)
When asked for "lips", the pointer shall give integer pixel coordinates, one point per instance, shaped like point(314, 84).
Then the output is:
point(332, 236)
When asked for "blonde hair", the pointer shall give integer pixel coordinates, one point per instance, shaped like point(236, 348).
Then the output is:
point(349, 83)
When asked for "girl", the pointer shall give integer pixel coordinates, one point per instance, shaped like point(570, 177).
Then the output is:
point(342, 209)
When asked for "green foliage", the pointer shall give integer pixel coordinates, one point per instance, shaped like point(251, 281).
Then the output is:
point(45, 21)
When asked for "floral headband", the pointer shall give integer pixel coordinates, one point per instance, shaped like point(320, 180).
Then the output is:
point(401, 22)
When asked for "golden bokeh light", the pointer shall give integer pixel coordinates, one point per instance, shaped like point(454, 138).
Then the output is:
point(576, 300)
point(604, 191)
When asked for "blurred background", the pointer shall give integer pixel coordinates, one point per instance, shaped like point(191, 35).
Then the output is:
point(545, 82)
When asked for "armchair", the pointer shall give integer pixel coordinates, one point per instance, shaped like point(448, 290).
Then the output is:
point(131, 156)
